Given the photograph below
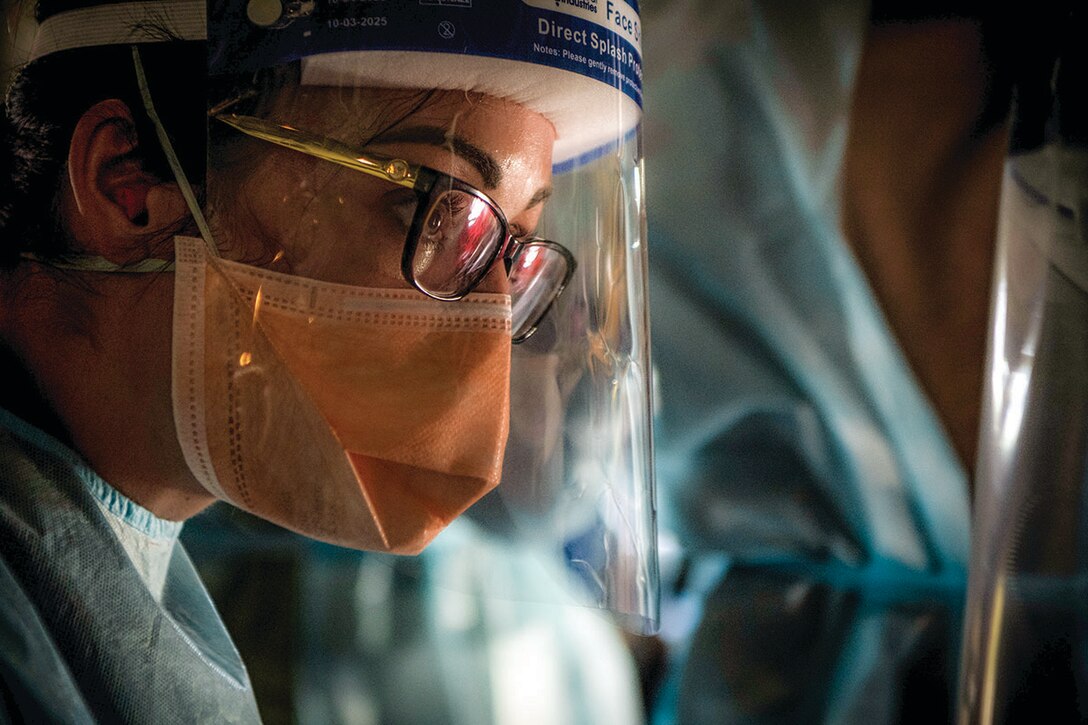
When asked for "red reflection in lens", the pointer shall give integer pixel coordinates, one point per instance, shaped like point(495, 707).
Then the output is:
point(479, 228)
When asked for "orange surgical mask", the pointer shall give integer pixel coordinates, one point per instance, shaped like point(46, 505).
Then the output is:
point(364, 417)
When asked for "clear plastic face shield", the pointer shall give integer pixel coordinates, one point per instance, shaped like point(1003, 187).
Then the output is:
point(505, 173)
point(420, 276)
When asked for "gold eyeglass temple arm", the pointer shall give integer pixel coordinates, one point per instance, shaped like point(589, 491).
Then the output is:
point(395, 170)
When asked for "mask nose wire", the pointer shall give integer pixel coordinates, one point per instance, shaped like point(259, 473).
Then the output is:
point(171, 157)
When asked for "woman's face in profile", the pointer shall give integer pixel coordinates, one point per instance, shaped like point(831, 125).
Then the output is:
point(294, 213)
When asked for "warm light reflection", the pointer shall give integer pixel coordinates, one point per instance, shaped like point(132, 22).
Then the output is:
point(989, 676)
point(246, 357)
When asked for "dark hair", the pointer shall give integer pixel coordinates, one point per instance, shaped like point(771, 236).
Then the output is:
point(45, 102)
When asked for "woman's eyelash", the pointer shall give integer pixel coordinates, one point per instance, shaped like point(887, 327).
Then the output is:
point(455, 204)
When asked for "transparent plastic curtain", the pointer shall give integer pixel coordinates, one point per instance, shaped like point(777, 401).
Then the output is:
point(1027, 614)
point(1026, 637)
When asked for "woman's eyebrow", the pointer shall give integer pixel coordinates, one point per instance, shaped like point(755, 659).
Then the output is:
point(539, 197)
point(442, 138)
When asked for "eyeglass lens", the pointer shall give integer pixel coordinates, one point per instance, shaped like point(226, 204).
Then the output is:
point(458, 237)
point(537, 273)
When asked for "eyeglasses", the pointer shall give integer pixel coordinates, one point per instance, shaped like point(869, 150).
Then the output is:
point(457, 231)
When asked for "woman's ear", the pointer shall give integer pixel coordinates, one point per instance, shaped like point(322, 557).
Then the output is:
point(111, 204)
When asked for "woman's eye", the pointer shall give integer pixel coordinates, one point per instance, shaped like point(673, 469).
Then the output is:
point(443, 219)
point(436, 221)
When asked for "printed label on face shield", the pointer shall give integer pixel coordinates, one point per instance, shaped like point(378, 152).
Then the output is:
point(601, 39)
point(615, 16)
point(598, 39)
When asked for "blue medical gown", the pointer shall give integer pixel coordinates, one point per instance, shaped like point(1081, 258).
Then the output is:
point(817, 516)
point(81, 637)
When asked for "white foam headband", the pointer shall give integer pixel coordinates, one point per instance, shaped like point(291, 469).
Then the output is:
point(586, 113)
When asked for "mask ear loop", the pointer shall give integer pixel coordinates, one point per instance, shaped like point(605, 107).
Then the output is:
point(171, 157)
